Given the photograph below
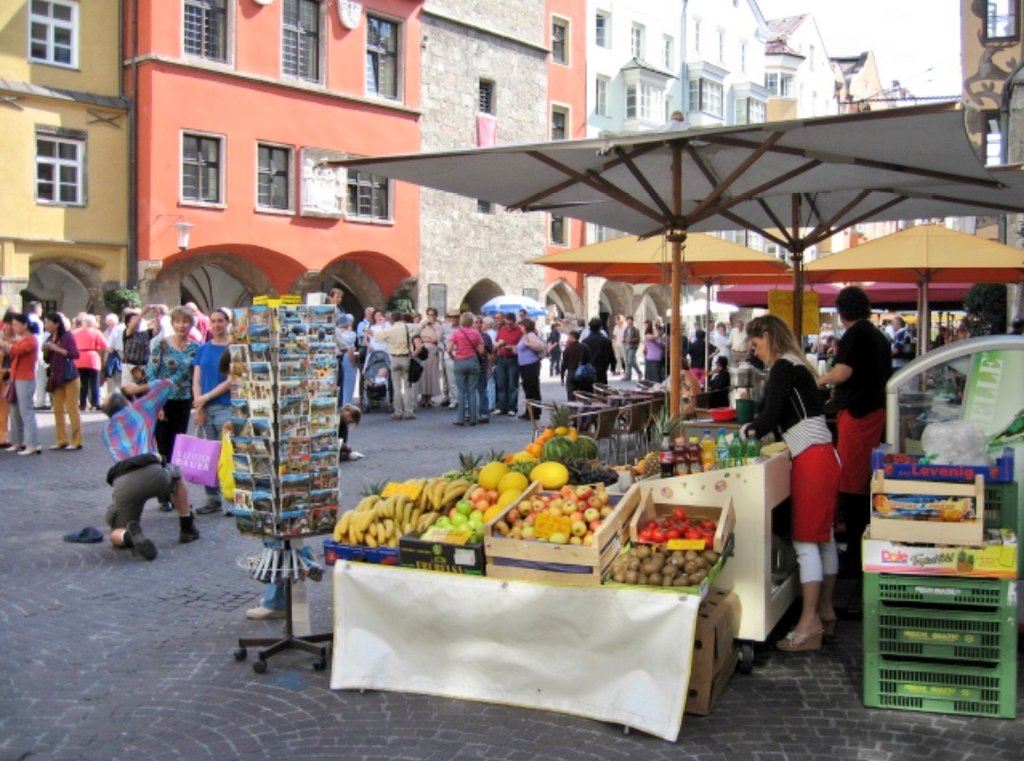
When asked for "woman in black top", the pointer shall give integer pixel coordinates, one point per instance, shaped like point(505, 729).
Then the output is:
point(718, 383)
point(573, 355)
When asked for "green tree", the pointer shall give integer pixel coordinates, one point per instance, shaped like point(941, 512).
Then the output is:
point(117, 299)
point(986, 309)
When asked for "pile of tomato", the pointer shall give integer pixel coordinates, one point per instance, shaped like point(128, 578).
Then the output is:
point(677, 525)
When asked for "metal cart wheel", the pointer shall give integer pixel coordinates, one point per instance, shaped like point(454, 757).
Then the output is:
point(746, 664)
point(241, 653)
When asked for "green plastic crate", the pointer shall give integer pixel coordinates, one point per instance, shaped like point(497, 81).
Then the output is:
point(1003, 510)
point(972, 635)
point(940, 687)
point(940, 591)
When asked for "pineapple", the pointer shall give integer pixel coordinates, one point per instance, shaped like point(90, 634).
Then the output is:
point(560, 416)
point(469, 466)
point(495, 455)
point(372, 487)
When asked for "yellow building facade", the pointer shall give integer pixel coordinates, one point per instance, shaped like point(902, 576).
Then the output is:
point(64, 136)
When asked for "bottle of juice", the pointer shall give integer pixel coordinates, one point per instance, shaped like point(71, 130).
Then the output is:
point(721, 450)
point(707, 451)
point(693, 455)
point(665, 457)
point(681, 466)
point(736, 450)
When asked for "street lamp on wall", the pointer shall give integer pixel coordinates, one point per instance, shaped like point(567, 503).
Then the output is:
point(184, 230)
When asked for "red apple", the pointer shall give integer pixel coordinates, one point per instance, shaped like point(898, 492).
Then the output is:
point(591, 514)
point(584, 492)
point(595, 525)
point(577, 515)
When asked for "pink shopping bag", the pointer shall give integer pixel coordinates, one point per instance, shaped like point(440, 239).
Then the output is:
point(197, 459)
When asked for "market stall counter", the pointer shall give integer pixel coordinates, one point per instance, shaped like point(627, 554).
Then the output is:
point(618, 655)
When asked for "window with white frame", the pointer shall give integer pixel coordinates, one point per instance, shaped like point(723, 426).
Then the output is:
point(780, 84)
point(201, 168)
point(602, 29)
point(668, 52)
point(601, 96)
point(274, 177)
point(993, 139)
point(749, 111)
point(706, 96)
point(558, 231)
point(382, 51)
point(369, 196)
point(636, 41)
point(300, 39)
point(1001, 22)
point(560, 40)
point(205, 29)
point(60, 167)
point(53, 32)
point(600, 233)
point(640, 101)
point(559, 123)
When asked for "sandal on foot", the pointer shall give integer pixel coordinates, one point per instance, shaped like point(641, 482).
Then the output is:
point(795, 642)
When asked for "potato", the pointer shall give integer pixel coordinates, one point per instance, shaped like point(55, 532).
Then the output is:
point(692, 555)
point(654, 579)
point(619, 577)
point(633, 564)
point(697, 577)
point(710, 555)
point(643, 551)
point(631, 577)
point(650, 567)
point(690, 567)
point(641, 578)
point(666, 581)
point(682, 580)
point(669, 571)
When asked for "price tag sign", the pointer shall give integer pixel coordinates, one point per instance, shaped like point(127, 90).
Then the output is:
point(546, 524)
point(445, 536)
point(685, 544)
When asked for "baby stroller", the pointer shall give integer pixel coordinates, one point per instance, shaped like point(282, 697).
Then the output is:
point(375, 382)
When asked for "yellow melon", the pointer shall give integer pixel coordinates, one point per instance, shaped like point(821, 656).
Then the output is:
point(512, 480)
point(552, 475)
point(490, 474)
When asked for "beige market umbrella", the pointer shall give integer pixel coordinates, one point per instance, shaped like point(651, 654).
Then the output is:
point(796, 182)
point(922, 255)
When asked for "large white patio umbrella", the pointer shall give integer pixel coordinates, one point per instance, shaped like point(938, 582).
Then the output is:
point(795, 182)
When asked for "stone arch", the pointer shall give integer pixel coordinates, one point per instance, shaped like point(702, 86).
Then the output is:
point(564, 298)
point(654, 301)
point(615, 298)
point(71, 285)
point(360, 289)
point(479, 294)
point(210, 280)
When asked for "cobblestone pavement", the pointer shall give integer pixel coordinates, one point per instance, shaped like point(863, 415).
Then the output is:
point(105, 656)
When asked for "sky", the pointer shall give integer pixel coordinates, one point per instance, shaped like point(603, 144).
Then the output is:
point(914, 41)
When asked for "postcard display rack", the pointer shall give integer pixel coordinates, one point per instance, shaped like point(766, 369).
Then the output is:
point(284, 399)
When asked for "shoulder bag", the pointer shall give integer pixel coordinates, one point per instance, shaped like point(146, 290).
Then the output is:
point(415, 364)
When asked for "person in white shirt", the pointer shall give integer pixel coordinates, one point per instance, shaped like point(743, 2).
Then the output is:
point(738, 341)
point(720, 341)
point(112, 361)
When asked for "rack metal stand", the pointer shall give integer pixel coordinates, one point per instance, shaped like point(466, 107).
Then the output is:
point(289, 641)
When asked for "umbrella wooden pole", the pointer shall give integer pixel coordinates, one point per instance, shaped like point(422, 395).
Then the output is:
point(798, 271)
point(924, 318)
point(676, 238)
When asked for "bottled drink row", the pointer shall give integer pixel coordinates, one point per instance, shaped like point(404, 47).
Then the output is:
point(699, 455)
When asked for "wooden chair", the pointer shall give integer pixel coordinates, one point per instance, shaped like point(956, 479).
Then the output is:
point(603, 431)
point(535, 411)
point(631, 429)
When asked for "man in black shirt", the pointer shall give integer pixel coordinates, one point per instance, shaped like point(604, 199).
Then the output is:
point(600, 347)
point(863, 366)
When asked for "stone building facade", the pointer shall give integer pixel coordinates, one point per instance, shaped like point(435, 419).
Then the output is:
point(475, 251)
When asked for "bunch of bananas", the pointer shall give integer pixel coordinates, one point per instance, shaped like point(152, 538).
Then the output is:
point(439, 493)
point(380, 522)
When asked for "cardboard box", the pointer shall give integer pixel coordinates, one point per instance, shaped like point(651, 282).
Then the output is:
point(909, 467)
point(718, 509)
point(335, 551)
point(434, 555)
point(579, 565)
point(928, 512)
point(996, 559)
point(715, 653)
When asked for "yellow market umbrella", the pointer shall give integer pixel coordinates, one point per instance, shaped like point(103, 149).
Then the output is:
point(923, 255)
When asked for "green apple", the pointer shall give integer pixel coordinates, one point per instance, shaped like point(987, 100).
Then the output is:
point(464, 507)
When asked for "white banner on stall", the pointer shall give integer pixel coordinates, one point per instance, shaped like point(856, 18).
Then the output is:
point(617, 655)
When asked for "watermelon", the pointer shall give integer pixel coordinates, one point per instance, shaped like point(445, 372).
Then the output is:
point(586, 448)
point(558, 449)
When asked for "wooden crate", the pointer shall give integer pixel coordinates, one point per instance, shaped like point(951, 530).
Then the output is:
point(898, 516)
point(578, 565)
point(721, 512)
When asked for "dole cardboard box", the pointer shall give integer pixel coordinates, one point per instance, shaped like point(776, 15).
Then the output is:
point(928, 512)
point(444, 550)
point(995, 559)
point(715, 654)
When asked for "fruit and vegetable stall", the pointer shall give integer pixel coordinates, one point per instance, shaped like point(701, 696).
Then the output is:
point(560, 589)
